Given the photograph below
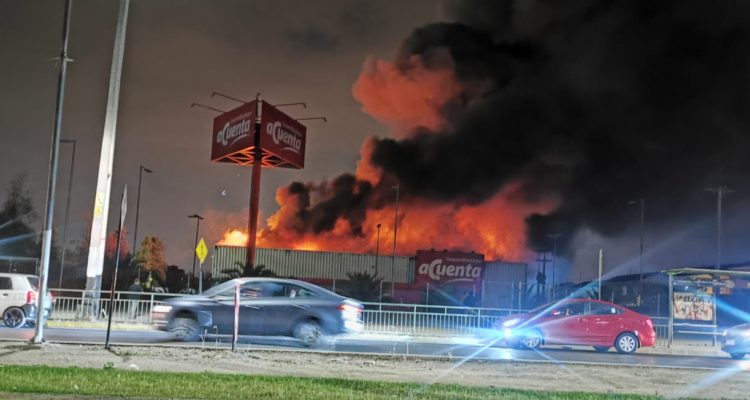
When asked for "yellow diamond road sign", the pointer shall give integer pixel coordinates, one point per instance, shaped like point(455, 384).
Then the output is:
point(201, 250)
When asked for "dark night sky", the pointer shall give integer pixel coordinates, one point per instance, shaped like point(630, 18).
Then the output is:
point(178, 52)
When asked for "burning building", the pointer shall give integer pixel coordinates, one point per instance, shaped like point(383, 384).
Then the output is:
point(429, 277)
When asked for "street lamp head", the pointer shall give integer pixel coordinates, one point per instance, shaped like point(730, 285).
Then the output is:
point(195, 216)
point(146, 169)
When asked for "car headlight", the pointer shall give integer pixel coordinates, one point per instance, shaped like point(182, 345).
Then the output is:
point(511, 322)
point(162, 308)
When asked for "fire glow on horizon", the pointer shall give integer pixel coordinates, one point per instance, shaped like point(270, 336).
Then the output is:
point(495, 228)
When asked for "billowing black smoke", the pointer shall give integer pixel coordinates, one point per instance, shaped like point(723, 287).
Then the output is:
point(343, 198)
point(593, 103)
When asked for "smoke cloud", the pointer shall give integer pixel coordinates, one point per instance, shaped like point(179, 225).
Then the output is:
point(562, 111)
point(591, 103)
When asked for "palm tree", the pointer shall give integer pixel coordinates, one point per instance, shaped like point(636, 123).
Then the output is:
point(363, 286)
point(243, 270)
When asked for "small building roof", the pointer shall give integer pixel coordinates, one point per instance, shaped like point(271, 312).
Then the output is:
point(703, 271)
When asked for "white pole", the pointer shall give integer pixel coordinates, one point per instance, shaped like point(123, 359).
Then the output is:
point(200, 279)
point(104, 180)
point(601, 266)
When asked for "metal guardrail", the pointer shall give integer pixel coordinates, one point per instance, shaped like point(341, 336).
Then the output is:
point(128, 307)
point(429, 319)
point(134, 308)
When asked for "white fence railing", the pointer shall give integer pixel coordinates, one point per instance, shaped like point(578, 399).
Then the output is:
point(423, 319)
point(128, 307)
point(134, 308)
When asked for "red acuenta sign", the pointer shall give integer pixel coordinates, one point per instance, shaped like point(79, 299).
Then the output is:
point(234, 132)
point(440, 268)
point(282, 138)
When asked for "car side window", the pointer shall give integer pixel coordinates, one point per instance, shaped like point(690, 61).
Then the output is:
point(574, 309)
point(298, 292)
point(604, 309)
point(251, 290)
point(5, 283)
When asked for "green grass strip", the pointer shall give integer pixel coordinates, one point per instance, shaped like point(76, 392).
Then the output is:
point(111, 382)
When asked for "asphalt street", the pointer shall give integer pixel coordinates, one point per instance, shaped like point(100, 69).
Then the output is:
point(396, 345)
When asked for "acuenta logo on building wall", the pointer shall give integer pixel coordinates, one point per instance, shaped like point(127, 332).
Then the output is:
point(452, 271)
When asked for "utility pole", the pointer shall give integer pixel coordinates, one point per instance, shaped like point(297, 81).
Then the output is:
point(104, 175)
point(52, 184)
point(541, 275)
point(393, 257)
point(377, 252)
point(554, 237)
point(721, 191)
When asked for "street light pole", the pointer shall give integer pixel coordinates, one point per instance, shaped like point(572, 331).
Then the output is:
point(554, 259)
point(393, 257)
point(67, 210)
point(377, 265)
point(720, 192)
point(52, 183)
point(377, 252)
point(198, 220)
point(137, 210)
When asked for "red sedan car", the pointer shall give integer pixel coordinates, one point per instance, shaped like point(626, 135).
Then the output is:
point(581, 322)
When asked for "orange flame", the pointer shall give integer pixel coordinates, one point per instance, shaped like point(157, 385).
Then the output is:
point(494, 228)
point(234, 238)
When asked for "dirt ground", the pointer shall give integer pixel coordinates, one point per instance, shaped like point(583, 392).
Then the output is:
point(667, 382)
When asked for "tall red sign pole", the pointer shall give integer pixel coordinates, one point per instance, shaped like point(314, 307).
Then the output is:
point(257, 133)
point(252, 223)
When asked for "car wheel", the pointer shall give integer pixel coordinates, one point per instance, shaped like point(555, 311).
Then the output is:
point(737, 356)
point(185, 329)
point(602, 349)
point(626, 343)
point(309, 333)
point(14, 317)
point(532, 340)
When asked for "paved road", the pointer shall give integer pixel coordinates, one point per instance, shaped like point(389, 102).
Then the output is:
point(401, 345)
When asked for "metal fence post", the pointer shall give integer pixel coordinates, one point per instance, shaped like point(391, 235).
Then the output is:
point(82, 308)
point(414, 320)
